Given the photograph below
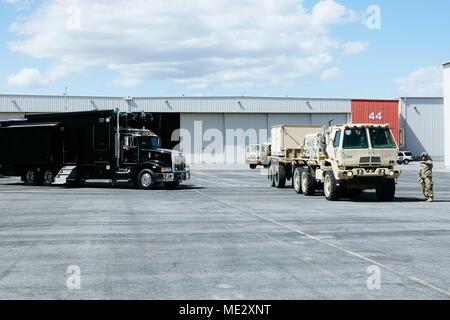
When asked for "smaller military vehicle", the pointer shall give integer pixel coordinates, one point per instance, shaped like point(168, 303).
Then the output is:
point(258, 155)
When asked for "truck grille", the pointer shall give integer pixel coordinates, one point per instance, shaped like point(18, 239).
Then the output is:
point(370, 161)
point(179, 163)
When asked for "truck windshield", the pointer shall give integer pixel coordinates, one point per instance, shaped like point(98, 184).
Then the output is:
point(355, 138)
point(148, 142)
point(381, 138)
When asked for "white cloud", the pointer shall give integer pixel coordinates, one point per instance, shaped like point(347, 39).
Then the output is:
point(331, 73)
point(195, 43)
point(28, 77)
point(426, 82)
point(25, 78)
point(354, 48)
point(19, 4)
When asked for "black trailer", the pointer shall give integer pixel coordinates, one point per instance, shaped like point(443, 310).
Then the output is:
point(70, 148)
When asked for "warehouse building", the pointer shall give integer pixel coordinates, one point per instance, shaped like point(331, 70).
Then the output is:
point(447, 112)
point(422, 126)
point(218, 129)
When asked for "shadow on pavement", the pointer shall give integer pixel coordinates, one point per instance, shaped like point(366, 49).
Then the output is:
point(99, 185)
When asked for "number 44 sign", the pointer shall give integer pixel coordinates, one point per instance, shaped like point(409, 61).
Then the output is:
point(376, 116)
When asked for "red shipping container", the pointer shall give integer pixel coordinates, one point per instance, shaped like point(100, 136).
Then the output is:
point(377, 112)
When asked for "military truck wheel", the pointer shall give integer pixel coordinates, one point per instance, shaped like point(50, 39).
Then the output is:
point(253, 166)
point(172, 185)
point(280, 177)
point(31, 178)
point(386, 191)
point(308, 182)
point(330, 187)
point(48, 178)
point(271, 177)
point(297, 180)
point(146, 180)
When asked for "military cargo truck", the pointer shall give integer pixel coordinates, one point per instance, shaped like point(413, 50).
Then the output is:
point(340, 160)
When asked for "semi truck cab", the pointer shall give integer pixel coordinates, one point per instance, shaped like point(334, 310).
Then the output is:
point(141, 149)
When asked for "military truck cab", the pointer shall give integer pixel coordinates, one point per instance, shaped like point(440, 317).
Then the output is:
point(258, 155)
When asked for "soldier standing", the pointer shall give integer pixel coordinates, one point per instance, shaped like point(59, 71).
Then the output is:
point(426, 177)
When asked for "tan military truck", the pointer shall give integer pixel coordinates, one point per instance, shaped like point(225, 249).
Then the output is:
point(340, 160)
point(258, 155)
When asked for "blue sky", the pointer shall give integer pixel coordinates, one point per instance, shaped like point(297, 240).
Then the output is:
point(280, 48)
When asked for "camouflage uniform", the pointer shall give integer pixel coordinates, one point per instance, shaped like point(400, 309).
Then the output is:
point(426, 179)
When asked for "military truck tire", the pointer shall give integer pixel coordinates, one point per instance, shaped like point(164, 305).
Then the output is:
point(146, 180)
point(280, 177)
point(386, 191)
point(271, 177)
point(308, 182)
point(297, 180)
point(330, 187)
point(253, 166)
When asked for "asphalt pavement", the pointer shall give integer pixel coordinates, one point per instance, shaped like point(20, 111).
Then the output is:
point(224, 235)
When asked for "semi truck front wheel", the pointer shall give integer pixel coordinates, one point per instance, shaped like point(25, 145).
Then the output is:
point(146, 180)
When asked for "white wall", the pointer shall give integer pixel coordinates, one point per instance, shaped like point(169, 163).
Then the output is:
point(447, 112)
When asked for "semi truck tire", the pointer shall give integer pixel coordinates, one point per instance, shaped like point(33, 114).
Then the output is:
point(386, 191)
point(297, 180)
point(330, 187)
point(280, 177)
point(146, 180)
point(48, 178)
point(31, 178)
point(308, 183)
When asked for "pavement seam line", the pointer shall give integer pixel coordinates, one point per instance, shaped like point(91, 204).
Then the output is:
point(329, 244)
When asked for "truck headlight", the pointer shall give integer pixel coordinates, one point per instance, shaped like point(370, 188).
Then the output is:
point(392, 173)
point(166, 170)
point(350, 174)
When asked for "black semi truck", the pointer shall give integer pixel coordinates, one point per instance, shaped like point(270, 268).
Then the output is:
point(70, 148)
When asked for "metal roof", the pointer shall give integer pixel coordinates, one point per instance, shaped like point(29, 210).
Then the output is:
point(49, 103)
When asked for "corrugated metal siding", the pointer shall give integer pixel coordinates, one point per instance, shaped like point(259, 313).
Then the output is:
point(289, 119)
point(42, 104)
point(423, 125)
point(30, 103)
point(388, 109)
point(249, 129)
point(194, 146)
point(243, 105)
point(324, 119)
